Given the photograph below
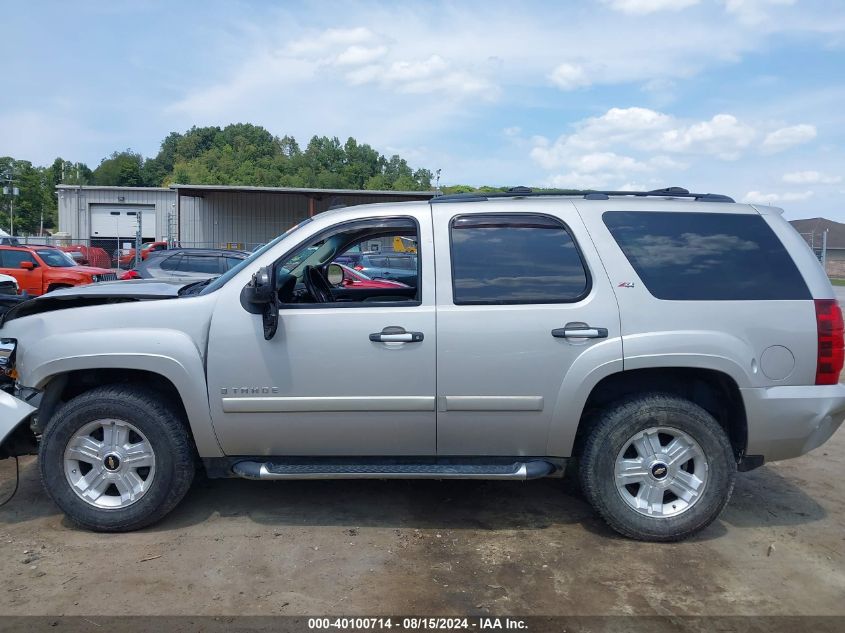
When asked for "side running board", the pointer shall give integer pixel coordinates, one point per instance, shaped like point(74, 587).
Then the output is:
point(269, 470)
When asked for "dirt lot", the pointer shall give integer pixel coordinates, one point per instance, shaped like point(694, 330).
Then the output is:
point(237, 546)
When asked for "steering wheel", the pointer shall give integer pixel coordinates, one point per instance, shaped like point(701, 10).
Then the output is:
point(316, 285)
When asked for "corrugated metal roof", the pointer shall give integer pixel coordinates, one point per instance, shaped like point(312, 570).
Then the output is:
point(303, 191)
point(111, 188)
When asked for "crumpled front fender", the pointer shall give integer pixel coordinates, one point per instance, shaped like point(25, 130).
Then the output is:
point(12, 413)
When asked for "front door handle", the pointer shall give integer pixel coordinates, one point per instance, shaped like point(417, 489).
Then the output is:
point(396, 334)
point(581, 331)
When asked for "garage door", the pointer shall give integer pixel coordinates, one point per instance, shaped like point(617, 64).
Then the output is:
point(112, 222)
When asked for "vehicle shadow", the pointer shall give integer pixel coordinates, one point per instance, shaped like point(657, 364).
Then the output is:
point(761, 498)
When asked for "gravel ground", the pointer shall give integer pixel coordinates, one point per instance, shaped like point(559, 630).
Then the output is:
point(426, 547)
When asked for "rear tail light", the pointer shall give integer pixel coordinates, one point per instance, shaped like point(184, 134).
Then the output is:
point(831, 354)
point(130, 274)
point(359, 267)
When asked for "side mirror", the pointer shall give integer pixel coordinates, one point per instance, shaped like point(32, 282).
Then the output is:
point(259, 297)
point(27, 265)
point(335, 274)
point(259, 292)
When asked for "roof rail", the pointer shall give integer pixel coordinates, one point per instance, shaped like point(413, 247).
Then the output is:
point(587, 194)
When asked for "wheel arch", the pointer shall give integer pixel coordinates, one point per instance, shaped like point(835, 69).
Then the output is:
point(62, 379)
point(713, 390)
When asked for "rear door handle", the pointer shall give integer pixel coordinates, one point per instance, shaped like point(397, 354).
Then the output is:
point(580, 332)
point(396, 334)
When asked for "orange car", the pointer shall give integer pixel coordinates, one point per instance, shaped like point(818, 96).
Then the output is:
point(40, 269)
point(126, 256)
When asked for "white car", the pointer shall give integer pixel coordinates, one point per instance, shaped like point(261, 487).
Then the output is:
point(8, 285)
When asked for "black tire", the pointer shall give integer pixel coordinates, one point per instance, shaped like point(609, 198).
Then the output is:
point(164, 430)
point(616, 425)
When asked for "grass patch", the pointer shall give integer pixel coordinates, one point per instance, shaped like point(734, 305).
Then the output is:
point(838, 282)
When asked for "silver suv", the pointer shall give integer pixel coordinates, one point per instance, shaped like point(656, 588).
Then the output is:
point(650, 343)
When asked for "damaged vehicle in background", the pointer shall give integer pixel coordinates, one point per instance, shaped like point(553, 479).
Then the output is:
point(40, 269)
point(186, 264)
point(8, 285)
point(611, 337)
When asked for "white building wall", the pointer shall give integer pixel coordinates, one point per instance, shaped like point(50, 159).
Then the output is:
point(75, 204)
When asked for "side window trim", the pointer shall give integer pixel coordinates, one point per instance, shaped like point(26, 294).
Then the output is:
point(339, 228)
point(546, 221)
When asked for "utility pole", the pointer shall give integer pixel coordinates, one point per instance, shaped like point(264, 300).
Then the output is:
point(824, 250)
point(139, 216)
point(10, 190)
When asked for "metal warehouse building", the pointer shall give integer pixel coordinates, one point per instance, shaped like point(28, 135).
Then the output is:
point(200, 215)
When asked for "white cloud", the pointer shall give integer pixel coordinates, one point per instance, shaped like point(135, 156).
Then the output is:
point(723, 136)
point(645, 145)
point(569, 76)
point(810, 178)
point(754, 12)
point(786, 137)
point(642, 129)
point(758, 197)
point(357, 55)
point(329, 40)
point(642, 7)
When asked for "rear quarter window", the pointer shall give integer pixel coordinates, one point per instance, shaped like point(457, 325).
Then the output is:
point(706, 256)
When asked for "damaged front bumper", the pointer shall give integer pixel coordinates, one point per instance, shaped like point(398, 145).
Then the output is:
point(15, 434)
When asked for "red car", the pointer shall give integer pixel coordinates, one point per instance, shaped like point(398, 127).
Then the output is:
point(354, 279)
point(126, 256)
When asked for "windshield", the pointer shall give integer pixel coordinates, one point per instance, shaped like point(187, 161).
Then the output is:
point(225, 277)
point(56, 259)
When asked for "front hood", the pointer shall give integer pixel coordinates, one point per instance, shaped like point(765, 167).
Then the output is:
point(87, 270)
point(94, 294)
point(138, 288)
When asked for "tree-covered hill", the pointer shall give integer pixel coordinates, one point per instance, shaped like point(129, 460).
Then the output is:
point(238, 154)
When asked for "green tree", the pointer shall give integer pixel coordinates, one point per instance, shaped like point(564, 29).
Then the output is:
point(121, 169)
point(35, 196)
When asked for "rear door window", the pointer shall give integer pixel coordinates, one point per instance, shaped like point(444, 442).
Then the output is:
point(706, 256)
point(514, 259)
point(171, 263)
point(209, 264)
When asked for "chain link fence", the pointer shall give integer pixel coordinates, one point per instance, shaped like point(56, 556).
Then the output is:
point(119, 254)
point(817, 241)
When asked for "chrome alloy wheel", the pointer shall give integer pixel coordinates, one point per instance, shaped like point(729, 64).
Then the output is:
point(109, 464)
point(661, 472)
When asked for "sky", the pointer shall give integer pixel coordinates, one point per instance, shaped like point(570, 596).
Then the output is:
point(740, 97)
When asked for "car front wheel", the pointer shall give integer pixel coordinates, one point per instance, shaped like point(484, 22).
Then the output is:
point(116, 458)
point(657, 467)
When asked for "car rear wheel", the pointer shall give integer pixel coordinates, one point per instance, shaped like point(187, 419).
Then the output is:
point(116, 458)
point(657, 467)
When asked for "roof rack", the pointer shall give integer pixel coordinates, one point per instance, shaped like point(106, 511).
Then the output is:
point(587, 194)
